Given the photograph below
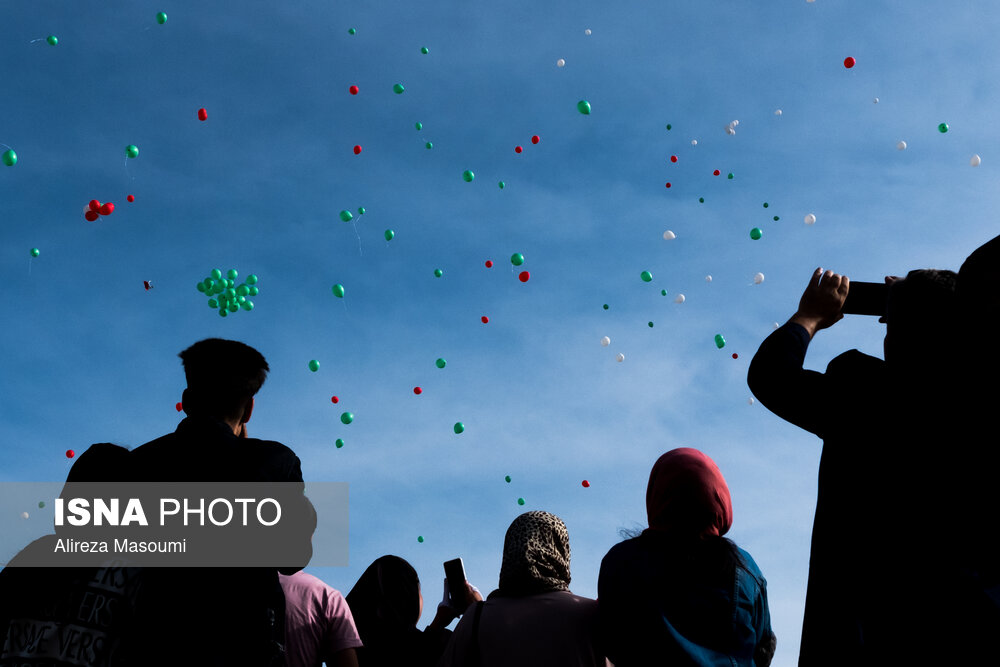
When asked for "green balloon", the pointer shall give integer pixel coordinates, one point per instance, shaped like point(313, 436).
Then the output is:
point(669, 126)
point(232, 274)
point(216, 274)
point(942, 128)
point(242, 290)
point(650, 325)
point(41, 505)
point(517, 259)
point(730, 176)
point(338, 290)
point(223, 312)
point(424, 50)
point(459, 427)
point(420, 538)
point(438, 273)
point(467, 176)
point(346, 215)
point(389, 234)
point(346, 418)
point(663, 292)
point(361, 210)
point(313, 365)
point(340, 443)
point(240, 299)
point(646, 276)
point(254, 291)
point(35, 252)
point(213, 303)
point(756, 233)
point(398, 89)
point(230, 292)
point(233, 306)
point(776, 218)
point(418, 125)
point(440, 363)
point(507, 478)
point(10, 157)
point(132, 150)
point(200, 287)
point(605, 306)
point(583, 106)
point(161, 18)
point(251, 279)
point(229, 282)
point(247, 305)
point(429, 145)
point(352, 31)
point(218, 288)
point(720, 342)
point(765, 204)
point(701, 200)
point(52, 39)
point(502, 185)
point(520, 501)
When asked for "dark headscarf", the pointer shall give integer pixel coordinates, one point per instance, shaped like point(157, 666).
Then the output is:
point(687, 495)
point(535, 555)
point(385, 602)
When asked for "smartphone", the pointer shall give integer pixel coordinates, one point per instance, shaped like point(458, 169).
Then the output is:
point(454, 570)
point(866, 299)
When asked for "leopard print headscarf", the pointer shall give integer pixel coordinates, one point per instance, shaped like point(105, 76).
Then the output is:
point(535, 555)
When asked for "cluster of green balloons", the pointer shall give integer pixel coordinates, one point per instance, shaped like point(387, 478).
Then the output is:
point(225, 294)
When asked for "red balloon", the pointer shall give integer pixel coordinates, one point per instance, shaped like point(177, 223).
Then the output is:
point(716, 172)
point(202, 114)
point(485, 319)
point(585, 484)
point(179, 406)
point(107, 208)
point(668, 184)
point(849, 62)
point(489, 264)
point(523, 276)
point(673, 158)
point(130, 198)
point(94, 204)
point(334, 399)
point(518, 149)
point(534, 139)
point(148, 285)
point(735, 356)
point(357, 150)
point(90, 216)
point(70, 453)
point(353, 90)
point(418, 391)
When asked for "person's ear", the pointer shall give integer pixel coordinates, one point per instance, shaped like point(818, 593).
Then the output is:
point(247, 411)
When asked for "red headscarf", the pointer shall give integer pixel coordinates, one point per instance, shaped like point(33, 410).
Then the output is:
point(688, 496)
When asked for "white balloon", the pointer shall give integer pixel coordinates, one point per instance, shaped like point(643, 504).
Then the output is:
point(730, 131)
point(810, 219)
point(776, 325)
point(750, 400)
point(679, 298)
point(605, 341)
point(24, 515)
point(976, 161)
point(587, 31)
point(875, 101)
point(708, 279)
point(669, 235)
point(694, 142)
point(620, 357)
point(758, 278)
point(735, 123)
point(560, 63)
point(777, 112)
point(901, 146)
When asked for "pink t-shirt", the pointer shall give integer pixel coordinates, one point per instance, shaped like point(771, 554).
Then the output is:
point(318, 622)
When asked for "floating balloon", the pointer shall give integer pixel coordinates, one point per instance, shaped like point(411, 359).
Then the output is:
point(338, 291)
point(875, 101)
point(663, 292)
point(585, 484)
point(942, 128)
point(679, 298)
point(313, 365)
point(418, 125)
point(24, 515)
point(346, 215)
point(418, 391)
point(485, 319)
point(849, 62)
point(673, 158)
point(506, 478)
point(535, 139)
point(179, 406)
point(716, 173)
point(756, 233)
point(502, 185)
point(420, 538)
point(620, 357)
point(334, 399)
point(701, 200)
point(35, 252)
point(489, 264)
point(389, 234)
point(649, 324)
point(70, 453)
point(975, 161)
point(517, 259)
point(459, 427)
point(646, 276)
point(398, 88)
point(810, 219)
point(605, 341)
point(147, 285)
point(669, 235)
point(523, 276)
point(161, 17)
point(668, 184)
point(518, 149)
point(605, 306)
point(587, 31)
point(130, 198)
point(520, 501)
point(583, 106)
point(901, 146)
point(357, 150)
point(41, 505)
point(765, 204)
point(202, 114)
point(720, 342)
point(354, 31)
point(353, 90)
point(730, 176)
point(94, 205)
point(708, 279)
point(339, 443)
point(758, 278)
point(346, 418)
point(467, 176)
point(777, 112)
point(440, 363)
point(107, 208)
point(424, 50)
point(9, 157)
point(91, 215)
point(735, 356)
point(560, 63)
point(669, 126)
point(429, 145)
point(438, 273)
point(132, 150)
point(52, 40)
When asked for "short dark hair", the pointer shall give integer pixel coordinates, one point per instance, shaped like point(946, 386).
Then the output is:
point(221, 376)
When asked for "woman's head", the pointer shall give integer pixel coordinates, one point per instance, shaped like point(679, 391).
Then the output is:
point(535, 555)
point(687, 495)
point(386, 599)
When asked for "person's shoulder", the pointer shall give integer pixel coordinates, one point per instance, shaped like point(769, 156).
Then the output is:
point(102, 461)
point(750, 565)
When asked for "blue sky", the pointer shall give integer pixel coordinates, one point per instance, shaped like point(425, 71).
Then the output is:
point(89, 355)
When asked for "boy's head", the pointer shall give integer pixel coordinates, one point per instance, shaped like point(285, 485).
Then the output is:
point(920, 318)
point(222, 378)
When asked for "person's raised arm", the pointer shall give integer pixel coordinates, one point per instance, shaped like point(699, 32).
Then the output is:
point(776, 376)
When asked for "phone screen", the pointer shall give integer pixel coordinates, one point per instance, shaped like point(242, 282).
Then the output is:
point(454, 570)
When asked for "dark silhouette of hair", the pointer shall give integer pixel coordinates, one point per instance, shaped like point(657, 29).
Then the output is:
point(222, 375)
point(921, 316)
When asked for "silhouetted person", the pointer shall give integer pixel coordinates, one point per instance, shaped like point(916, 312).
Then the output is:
point(680, 593)
point(319, 626)
point(881, 476)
